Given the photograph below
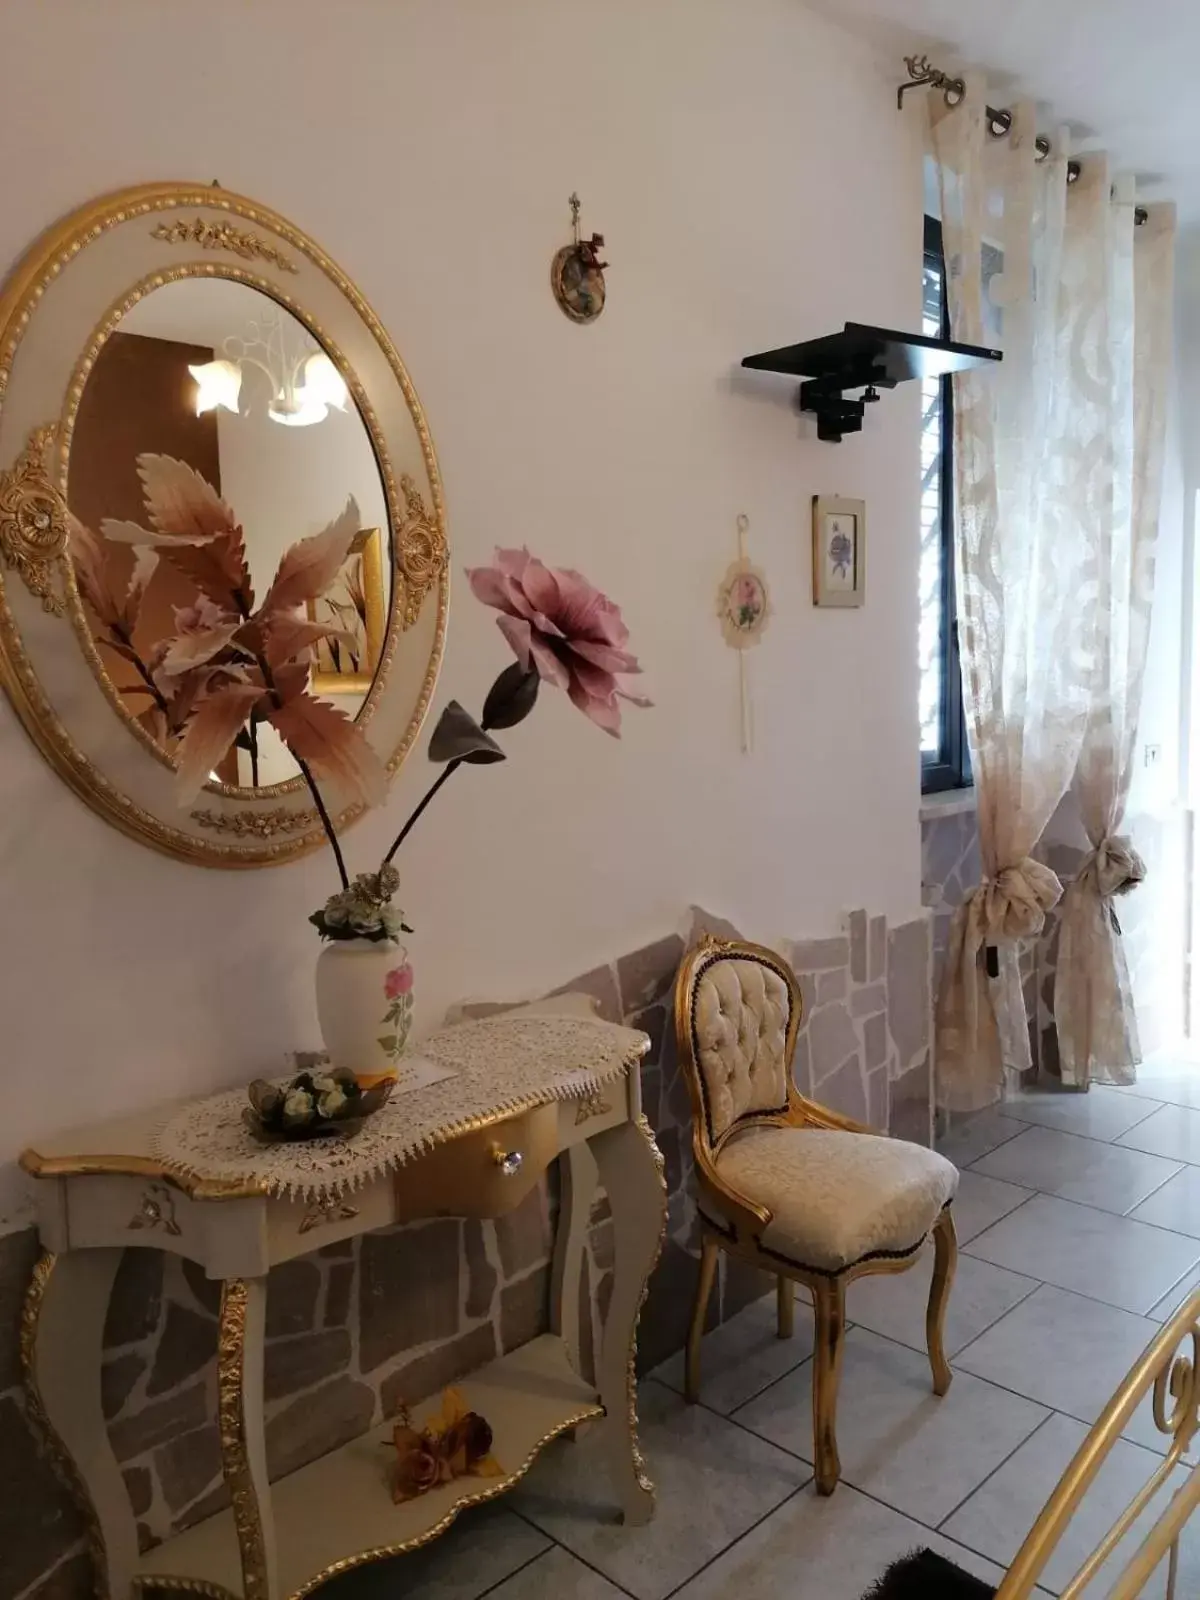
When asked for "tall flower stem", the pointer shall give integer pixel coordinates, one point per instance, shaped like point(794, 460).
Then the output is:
point(429, 794)
point(326, 820)
point(123, 645)
point(509, 701)
point(252, 734)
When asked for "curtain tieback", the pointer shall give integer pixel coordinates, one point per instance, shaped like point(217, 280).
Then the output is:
point(1013, 904)
point(1113, 867)
point(981, 1025)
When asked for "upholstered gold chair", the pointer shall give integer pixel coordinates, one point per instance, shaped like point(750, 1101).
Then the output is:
point(789, 1186)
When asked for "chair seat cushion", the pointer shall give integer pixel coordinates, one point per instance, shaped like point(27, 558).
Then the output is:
point(836, 1197)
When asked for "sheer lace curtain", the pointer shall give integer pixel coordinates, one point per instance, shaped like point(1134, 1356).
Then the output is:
point(1120, 332)
point(1027, 580)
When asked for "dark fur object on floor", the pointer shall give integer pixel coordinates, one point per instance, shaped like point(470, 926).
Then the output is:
point(925, 1576)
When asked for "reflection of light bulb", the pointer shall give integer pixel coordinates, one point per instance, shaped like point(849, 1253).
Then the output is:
point(323, 383)
point(301, 413)
point(219, 383)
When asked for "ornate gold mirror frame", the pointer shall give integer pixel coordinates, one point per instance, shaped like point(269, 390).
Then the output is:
point(60, 304)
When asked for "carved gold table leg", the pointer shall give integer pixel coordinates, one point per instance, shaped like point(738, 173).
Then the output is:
point(631, 1170)
point(577, 1169)
point(243, 1441)
point(62, 1342)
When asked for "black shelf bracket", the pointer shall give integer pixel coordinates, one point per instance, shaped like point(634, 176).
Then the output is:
point(866, 358)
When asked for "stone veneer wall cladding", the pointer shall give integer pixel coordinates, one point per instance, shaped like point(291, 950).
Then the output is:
point(357, 1329)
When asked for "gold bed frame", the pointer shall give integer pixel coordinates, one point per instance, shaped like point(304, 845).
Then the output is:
point(1174, 1377)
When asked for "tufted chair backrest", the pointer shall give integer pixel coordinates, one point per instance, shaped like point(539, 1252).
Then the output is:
point(741, 1033)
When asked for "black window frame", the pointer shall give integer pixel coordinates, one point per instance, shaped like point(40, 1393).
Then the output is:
point(949, 767)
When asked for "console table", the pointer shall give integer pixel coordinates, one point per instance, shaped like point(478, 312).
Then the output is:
point(521, 1093)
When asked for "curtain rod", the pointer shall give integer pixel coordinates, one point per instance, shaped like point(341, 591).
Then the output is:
point(923, 75)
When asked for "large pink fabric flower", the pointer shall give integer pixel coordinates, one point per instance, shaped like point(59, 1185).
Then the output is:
point(557, 622)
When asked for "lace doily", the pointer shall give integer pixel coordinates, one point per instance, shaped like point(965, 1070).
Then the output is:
point(500, 1066)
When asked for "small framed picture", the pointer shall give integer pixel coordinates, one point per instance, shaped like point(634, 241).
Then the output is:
point(839, 551)
point(355, 603)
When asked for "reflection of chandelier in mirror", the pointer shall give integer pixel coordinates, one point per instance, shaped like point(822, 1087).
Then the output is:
point(304, 381)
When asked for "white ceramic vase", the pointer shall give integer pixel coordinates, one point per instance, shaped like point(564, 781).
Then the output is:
point(364, 1005)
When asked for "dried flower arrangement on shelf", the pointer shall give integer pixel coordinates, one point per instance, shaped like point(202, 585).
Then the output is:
point(312, 1105)
point(455, 1444)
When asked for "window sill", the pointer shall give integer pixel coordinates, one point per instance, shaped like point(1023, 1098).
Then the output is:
point(947, 803)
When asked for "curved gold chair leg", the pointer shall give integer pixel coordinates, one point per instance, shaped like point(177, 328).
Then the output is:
point(708, 1272)
point(829, 1312)
point(945, 1243)
point(785, 1291)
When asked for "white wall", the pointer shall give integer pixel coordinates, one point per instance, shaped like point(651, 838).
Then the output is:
point(756, 186)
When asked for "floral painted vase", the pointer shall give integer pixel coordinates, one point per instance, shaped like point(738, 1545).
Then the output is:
point(364, 1006)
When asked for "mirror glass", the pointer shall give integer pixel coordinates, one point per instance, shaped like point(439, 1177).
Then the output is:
point(219, 376)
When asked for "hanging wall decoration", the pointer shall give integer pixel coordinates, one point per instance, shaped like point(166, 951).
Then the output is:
point(577, 273)
point(744, 608)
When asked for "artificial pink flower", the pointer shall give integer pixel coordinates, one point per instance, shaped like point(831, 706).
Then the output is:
point(557, 622)
point(398, 981)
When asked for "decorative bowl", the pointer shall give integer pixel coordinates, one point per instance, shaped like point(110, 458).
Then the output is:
point(324, 1103)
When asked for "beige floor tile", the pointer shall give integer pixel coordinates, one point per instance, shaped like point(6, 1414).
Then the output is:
point(894, 1304)
point(996, 1519)
point(1076, 1168)
point(1173, 1132)
point(981, 1201)
point(897, 1440)
point(483, 1547)
point(823, 1549)
point(1101, 1113)
point(715, 1481)
point(744, 1355)
point(1168, 1079)
point(555, 1576)
point(1124, 1263)
point(1176, 1205)
point(1069, 1353)
point(972, 1137)
point(1175, 1296)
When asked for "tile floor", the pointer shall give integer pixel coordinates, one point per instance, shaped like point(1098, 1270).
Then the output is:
point(1079, 1221)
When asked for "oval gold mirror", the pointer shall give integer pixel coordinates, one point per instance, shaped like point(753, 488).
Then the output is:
point(189, 387)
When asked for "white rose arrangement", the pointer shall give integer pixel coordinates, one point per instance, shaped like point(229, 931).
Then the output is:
point(316, 1103)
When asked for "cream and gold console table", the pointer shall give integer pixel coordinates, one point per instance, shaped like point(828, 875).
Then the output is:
point(522, 1092)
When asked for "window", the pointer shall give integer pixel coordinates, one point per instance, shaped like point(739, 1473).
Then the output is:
point(945, 761)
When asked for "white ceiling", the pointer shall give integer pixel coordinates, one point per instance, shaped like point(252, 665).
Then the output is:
point(1120, 72)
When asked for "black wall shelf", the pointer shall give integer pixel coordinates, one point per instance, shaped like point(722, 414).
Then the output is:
point(867, 358)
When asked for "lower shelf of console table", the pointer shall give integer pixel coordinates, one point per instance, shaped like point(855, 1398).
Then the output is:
point(338, 1513)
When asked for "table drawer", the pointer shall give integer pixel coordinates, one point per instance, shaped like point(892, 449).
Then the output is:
point(480, 1174)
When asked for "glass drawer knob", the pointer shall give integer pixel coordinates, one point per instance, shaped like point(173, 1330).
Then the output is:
point(509, 1161)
